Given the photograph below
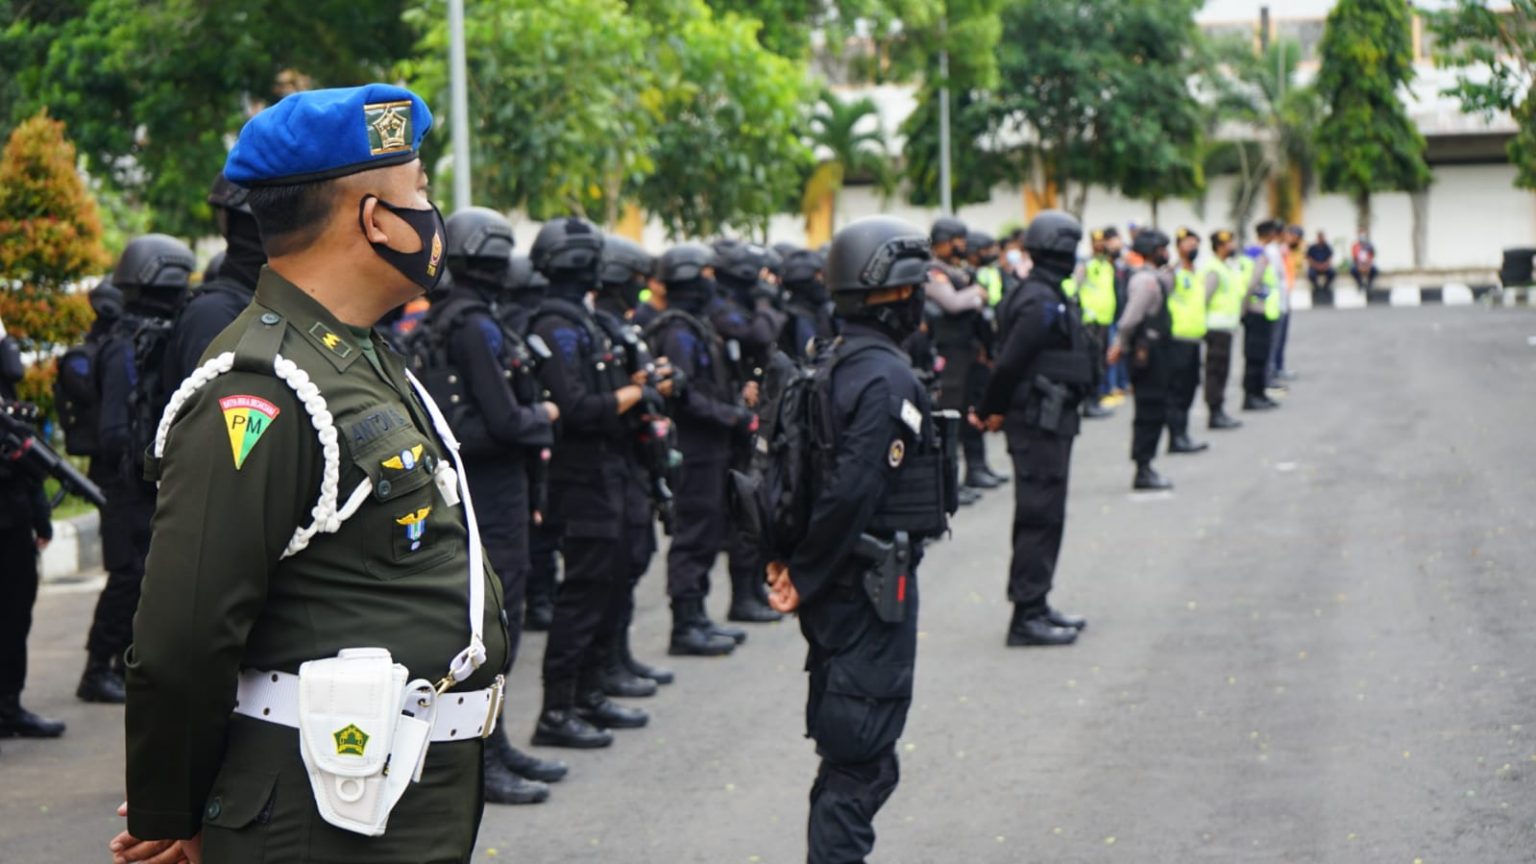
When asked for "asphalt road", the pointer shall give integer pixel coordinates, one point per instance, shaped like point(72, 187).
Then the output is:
point(1317, 649)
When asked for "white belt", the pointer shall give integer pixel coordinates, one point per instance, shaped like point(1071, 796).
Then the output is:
point(274, 697)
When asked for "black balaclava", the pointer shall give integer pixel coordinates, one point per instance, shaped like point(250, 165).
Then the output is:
point(1053, 266)
point(813, 293)
point(691, 295)
point(572, 287)
point(245, 256)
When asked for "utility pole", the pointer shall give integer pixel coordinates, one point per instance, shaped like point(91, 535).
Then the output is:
point(946, 196)
point(458, 86)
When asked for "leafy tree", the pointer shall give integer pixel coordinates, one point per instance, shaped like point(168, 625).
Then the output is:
point(1366, 142)
point(563, 106)
point(1279, 116)
point(847, 146)
point(152, 89)
point(728, 142)
point(1501, 47)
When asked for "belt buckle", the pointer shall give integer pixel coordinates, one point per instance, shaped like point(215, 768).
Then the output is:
point(494, 704)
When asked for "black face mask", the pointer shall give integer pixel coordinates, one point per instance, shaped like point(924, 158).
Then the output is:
point(903, 318)
point(1160, 258)
point(1193, 254)
point(425, 267)
point(988, 260)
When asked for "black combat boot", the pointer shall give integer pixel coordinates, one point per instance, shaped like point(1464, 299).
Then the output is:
point(1063, 619)
point(1222, 420)
point(502, 785)
point(1148, 480)
point(981, 478)
point(604, 713)
point(523, 764)
point(967, 495)
point(18, 722)
point(747, 604)
point(618, 680)
point(1259, 403)
point(644, 670)
point(1032, 627)
point(100, 683)
point(735, 634)
point(690, 637)
point(1182, 443)
point(560, 725)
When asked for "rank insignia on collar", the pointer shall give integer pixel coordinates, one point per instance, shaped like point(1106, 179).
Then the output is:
point(246, 419)
point(350, 740)
point(897, 453)
point(406, 460)
point(415, 524)
point(389, 126)
point(331, 340)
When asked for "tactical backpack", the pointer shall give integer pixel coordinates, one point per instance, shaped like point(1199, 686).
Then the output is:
point(147, 338)
point(77, 396)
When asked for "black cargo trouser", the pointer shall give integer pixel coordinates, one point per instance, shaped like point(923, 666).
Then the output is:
point(18, 591)
point(1098, 341)
point(860, 692)
point(125, 530)
point(700, 504)
point(543, 564)
point(641, 549)
point(1041, 463)
point(1256, 337)
point(500, 490)
point(1151, 385)
point(1183, 358)
point(1218, 367)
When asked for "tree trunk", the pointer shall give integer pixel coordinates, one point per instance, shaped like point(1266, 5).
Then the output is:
point(1363, 212)
point(1154, 202)
point(1080, 201)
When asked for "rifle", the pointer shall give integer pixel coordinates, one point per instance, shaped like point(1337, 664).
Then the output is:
point(21, 449)
point(655, 438)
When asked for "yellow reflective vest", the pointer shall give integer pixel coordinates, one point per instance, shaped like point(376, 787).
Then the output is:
point(1098, 292)
point(991, 279)
point(1224, 308)
point(1186, 306)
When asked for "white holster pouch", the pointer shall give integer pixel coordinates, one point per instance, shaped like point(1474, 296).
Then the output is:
point(364, 728)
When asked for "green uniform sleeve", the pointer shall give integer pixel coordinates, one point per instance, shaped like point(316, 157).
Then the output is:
point(240, 473)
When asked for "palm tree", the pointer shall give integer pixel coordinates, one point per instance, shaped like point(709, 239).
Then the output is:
point(846, 147)
point(1278, 119)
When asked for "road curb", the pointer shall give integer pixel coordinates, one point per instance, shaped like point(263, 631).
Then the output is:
point(76, 548)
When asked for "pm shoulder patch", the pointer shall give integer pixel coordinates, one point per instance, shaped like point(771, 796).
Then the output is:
point(246, 419)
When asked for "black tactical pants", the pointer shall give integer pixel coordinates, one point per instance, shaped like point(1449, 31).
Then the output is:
point(1218, 367)
point(18, 591)
point(500, 490)
point(125, 524)
point(1183, 358)
point(860, 691)
point(1256, 337)
point(971, 442)
point(1150, 382)
point(1041, 462)
point(1098, 337)
point(543, 564)
point(588, 606)
point(700, 504)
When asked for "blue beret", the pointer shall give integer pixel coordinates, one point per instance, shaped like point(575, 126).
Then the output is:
point(323, 134)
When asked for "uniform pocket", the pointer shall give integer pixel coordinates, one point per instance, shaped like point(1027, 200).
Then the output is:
point(236, 816)
point(864, 710)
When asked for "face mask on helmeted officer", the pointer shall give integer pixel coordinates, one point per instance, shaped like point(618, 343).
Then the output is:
point(803, 276)
point(153, 274)
point(1052, 240)
point(568, 251)
point(870, 261)
point(480, 247)
point(623, 270)
point(686, 270)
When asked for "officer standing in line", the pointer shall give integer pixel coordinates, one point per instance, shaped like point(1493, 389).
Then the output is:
point(291, 526)
point(808, 306)
point(526, 289)
point(622, 277)
point(213, 306)
point(982, 252)
point(744, 317)
point(1117, 379)
point(958, 337)
point(596, 500)
point(1142, 341)
point(482, 376)
point(153, 275)
point(1186, 321)
point(1096, 298)
point(1261, 309)
point(710, 419)
point(25, 531)
point(887, 490)
point(1224, 291)
point(1044, 369)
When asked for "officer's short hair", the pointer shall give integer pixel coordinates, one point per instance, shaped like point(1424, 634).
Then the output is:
point(292, 217)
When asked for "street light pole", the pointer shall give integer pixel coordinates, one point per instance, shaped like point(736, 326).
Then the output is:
point(946, 198)
point(458, 86)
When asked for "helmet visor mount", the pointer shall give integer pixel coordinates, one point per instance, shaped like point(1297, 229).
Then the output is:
point(899, 261)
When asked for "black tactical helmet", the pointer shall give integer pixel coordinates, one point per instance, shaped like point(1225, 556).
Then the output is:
point(978, 240)
point(876, 252)
point(479, 238)
point(684, 263)
point(775, 263)
point(802, 265)
point(947, 228)
point(1053, 232)
point(785, 249)
point(741, 262)
point(1148, 241)
point(521, 276)
point(228, 196)
point(106, 301)
point(154, 261)
point(623, 260)
point(568, 248)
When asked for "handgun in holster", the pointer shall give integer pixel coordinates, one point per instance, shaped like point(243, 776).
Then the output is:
point(889, 569)
point(1053, 402)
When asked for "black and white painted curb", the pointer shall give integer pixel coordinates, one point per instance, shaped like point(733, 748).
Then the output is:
point(1407, 294)
point(76, 548)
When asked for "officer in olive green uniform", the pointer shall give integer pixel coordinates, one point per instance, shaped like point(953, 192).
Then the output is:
point(310, 503)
